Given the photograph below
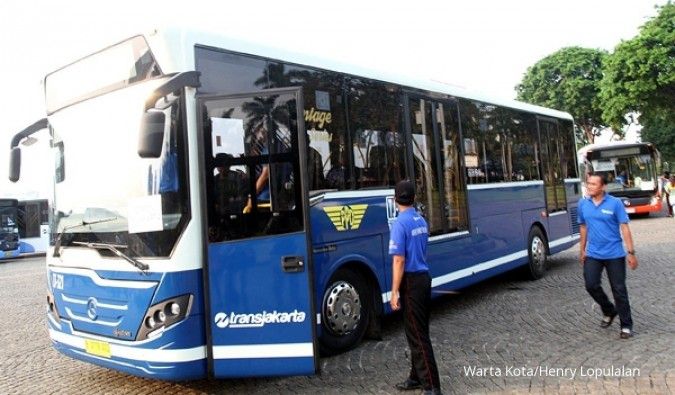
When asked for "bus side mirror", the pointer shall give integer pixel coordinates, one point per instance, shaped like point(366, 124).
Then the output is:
point(14, 164)
point(151, 138)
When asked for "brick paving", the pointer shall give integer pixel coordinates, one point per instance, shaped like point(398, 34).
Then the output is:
point(542, 336)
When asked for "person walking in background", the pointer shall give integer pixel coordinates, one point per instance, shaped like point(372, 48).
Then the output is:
point(411, 289)
point(664, 180)
point(603, 221)
point(669, 190)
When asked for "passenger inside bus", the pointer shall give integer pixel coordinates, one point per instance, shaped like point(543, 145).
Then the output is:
point(262, 188)
point(622, 178)
point(228, 187)
point(337, 175)
point(315, 175)
point(229, 196)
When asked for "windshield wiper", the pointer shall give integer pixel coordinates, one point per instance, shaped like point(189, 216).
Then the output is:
point(115, 249)
point(59, 236)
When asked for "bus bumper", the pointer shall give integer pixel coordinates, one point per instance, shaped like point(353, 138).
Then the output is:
point(151, 359)
point(654, 207)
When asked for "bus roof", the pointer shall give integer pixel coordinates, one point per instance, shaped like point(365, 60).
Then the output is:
point(174, 49)
point(612, 145)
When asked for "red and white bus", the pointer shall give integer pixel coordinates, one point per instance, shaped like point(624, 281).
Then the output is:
point(631, 170)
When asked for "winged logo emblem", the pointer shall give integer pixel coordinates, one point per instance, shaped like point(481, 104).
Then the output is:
point(346, 217)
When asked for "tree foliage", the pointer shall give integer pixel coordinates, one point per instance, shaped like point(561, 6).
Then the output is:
point(640, 77)
point(640, 74)
point(659, 129)
point(568, 80)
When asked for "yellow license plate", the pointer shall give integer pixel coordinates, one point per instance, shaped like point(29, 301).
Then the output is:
point(99, 348)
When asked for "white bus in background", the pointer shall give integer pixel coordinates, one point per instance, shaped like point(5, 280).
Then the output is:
point(631, 170)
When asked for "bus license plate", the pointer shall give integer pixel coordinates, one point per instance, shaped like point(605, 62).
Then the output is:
point(99, 348)
point(630, 210)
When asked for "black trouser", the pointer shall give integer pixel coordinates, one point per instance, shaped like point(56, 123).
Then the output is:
point(415, 300)
point(616, 272)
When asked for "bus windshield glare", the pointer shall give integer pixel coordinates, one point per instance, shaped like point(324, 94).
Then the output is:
point(95, 144)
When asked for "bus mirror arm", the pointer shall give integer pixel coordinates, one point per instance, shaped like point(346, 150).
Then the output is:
point(15, 150)
point(151, 134)
point(14, 164)
point(176, 83)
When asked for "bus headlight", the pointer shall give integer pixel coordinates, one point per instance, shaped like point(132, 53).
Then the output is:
point(160, 316)
point(164, 314)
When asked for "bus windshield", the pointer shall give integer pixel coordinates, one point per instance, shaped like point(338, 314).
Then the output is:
point(105, 192)
point(8, 222)
point(9, 228)
point(627, 173)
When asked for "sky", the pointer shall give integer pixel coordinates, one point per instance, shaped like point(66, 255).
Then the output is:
point(481, 45)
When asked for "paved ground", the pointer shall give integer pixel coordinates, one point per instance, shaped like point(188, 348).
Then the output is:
point(539, 337)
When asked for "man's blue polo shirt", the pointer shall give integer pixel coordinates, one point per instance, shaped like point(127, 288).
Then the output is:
point(603, 240)
point(409, 236)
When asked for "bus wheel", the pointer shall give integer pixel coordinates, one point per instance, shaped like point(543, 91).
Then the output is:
point(537, 254)
point(344, 312)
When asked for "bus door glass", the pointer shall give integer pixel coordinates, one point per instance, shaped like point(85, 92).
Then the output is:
point(258, 269)
point(553, 177)
point(435, 146)
point(554, 180)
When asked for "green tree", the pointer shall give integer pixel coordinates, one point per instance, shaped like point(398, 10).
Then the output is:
point(568, 80)
point(640, 77)
point(640, 74)
point(659, 129)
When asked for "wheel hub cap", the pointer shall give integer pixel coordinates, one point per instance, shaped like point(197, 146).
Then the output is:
point(537, 251)
point(342, 308)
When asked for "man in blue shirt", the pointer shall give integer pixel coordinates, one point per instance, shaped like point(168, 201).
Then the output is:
point(410, 276)
point(603, 221)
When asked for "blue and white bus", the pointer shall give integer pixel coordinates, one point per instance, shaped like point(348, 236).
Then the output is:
point(222, 208)
point(9, 229)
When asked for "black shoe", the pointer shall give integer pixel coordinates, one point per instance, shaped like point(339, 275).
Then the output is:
point(434, 391)
point(607, 320)
point(625, 333)
point(409, 385)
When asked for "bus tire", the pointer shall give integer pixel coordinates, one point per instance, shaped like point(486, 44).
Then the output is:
point(536, 252)
point(345, 312)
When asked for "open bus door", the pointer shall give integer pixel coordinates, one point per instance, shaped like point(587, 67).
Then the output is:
point(258, 278)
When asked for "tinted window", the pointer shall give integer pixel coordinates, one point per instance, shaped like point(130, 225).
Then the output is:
point(568, 147)
point(375, 123)
point(453, 187)
point(521, 145)
point(324, 115)
point(500, 144)
point(426, 163)
point(482, 143)
point(225, 73)
point(550, 157)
